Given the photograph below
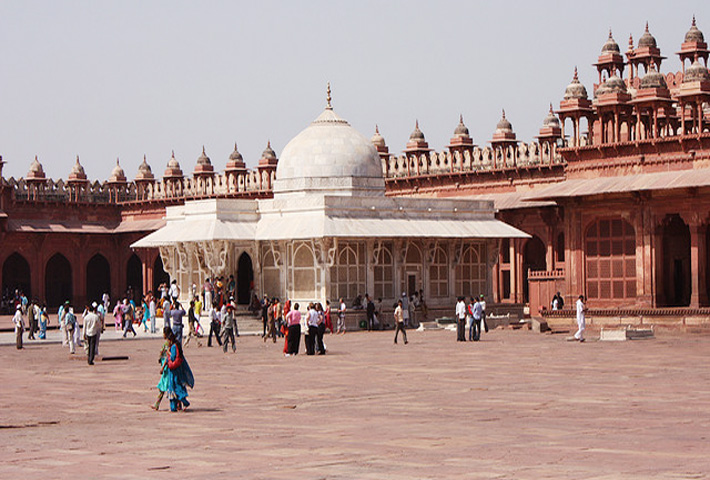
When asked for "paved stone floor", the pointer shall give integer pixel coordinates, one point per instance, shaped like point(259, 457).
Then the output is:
point(517, 405)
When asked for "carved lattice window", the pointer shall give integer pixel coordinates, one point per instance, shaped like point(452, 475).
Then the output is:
point(471, 271)
point(611, 260)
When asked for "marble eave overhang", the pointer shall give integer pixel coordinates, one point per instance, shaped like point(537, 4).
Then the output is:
point(319, 216)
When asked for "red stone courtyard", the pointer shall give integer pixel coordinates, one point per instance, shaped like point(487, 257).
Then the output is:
point(517, 405)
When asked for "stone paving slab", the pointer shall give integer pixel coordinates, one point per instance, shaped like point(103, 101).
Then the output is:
point(517, 405)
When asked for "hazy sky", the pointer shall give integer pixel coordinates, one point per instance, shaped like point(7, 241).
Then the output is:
point(125, 78)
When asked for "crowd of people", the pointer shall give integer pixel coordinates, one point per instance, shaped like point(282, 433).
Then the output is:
point(470, 317)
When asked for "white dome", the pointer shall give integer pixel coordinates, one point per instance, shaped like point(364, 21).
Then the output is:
point(329, 157)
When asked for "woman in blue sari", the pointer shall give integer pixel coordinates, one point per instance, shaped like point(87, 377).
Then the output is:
point(43, 322)
point(179, 376)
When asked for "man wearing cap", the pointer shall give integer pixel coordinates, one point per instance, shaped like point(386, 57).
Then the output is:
point(19, 326)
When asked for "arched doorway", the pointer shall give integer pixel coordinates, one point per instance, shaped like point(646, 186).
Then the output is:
point(245, 279)
point(58, 286)
point(134, 277)
point(98, 278)
point(16, 276)
point(535, 259)
point(676, 261)
point(160, 276)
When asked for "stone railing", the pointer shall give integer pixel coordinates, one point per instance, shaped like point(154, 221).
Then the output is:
point(476, 159)
point(243, 183)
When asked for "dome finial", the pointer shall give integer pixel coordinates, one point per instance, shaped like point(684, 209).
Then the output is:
point(551, 111)
point(504, 113)
point(693, 24)
point(631, 41)
point(377, 129)
point(575, 73)
point(610, 37)
point(461, 118)
point(646, 26)
point(173, 153)
point(328, 98)
point(203, 150)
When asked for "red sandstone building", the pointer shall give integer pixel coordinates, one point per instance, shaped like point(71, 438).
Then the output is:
point(615, 192)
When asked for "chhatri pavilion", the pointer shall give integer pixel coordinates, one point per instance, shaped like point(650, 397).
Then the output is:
point(330, 232)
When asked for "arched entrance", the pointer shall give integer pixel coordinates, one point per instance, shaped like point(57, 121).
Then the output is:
point(98, 278)
point(16, 276)
point(676, 261)
point(159, 276)
point(134, 277)
point(245, 279)
point(535, 259)
point(58, 286)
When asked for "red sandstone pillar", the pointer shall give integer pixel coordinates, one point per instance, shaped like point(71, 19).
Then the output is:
point(698, 292)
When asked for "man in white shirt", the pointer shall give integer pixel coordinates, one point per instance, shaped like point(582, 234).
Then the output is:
point(460, 320)
point(581, 320)
point(92, 328)
point(19, 326)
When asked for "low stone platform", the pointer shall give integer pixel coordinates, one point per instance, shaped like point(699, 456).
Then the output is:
point(516, 405)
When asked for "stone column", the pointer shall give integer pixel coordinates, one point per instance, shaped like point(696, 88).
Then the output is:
point(698, 262)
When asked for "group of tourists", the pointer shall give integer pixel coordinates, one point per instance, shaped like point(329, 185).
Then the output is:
point(471, 317)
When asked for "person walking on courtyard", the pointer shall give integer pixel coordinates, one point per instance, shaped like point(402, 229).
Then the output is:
point(31, 320)
point(293, 321)
point(191, 321)
point(312, 322)
point(19, 323)
point(399, 323)
point(460, 320)
point(213, 316)
point(328, 317)
point(179, 376)
point(476, 311)
point(265, 305)
point(228, 329)
point(340, 328)
point(370, 309)
point(163, 361)
point(207, 293)
point(152, 312)
point(405, 309)
point(320, 346)
point(92, 328)
point(581, 318)
point(118, 316)
point(176, 314)
point(128, 316)
point(43, 322)
point(70, 325)
point(61, 313)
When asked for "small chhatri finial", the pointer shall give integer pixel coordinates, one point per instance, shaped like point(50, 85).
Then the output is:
point(551, 111)
point(77, 159)
point(416, 124)
point(268, 144)
point(203, 150)
point(646, 26)
point(173, 153)
point(117, 164)
point(145, 159)
point(329, 98)
point(631, 41)
point(693, 25)
point(575, 73)
point(377, 129)
point(235, 146)
point(461, 118)
point(610, 37)
point(504, 113)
